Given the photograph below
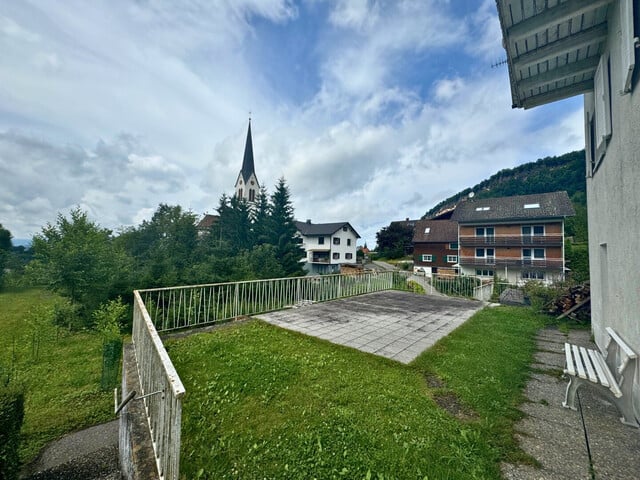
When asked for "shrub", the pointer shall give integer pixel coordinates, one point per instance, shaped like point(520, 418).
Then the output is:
point(108, 319)
point(540, 294)
point(415, 287)
point(66, 314)
point(11, 417)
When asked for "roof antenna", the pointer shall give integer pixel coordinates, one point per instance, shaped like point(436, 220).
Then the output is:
point(499, 63)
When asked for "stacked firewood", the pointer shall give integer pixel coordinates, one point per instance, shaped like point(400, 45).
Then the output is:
point(575, 304)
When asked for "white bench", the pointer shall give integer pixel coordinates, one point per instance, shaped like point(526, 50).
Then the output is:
point(613, 372)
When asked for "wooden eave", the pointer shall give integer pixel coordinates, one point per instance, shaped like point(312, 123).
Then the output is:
point(552, 47)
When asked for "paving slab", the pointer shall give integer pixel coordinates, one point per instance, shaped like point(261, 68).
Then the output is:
point(392, 324)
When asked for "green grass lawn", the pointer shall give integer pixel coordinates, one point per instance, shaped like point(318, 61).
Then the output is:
point(60, 370)
point(263, 402)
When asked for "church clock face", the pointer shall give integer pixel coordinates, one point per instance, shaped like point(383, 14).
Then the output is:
point(252, 182)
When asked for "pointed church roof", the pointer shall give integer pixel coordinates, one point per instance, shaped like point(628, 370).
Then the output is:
point(247, 162)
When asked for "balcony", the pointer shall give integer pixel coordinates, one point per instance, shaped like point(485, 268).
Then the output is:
point(540, 263)
point(512, 240)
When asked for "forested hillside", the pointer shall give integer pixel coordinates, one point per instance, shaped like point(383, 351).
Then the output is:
point(550, 174)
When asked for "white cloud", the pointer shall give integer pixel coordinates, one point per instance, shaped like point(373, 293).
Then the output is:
point(118, 108)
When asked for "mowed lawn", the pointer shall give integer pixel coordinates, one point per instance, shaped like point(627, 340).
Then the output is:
point(263, 402)
point(59, 370)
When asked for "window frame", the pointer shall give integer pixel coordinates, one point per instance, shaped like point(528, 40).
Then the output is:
point(426, 258)
point(336, 240)
point(452, 259)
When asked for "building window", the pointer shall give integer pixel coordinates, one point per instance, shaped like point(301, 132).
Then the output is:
point(348, 256)
point(535, 230)
point(336, 256)
point(348, 242)
point(320, 240)
point(452, 258)
point(484, 273)
point(453, 246)
point(240, 192)
point(485, 252)
point(427, 258)
point(533, 275)
point(487, 232)
point(535, 253)
point(344, 229)
point(336, 240)
point(252, 194)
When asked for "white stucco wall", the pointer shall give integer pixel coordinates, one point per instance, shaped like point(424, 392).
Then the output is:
point(613, 201)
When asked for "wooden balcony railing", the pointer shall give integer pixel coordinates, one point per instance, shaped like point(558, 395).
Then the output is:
point(543, 263)
point(512, 240)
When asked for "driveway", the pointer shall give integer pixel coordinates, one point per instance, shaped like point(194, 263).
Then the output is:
point(392, 324)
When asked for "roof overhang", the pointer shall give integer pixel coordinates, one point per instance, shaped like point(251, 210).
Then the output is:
point(553, 47)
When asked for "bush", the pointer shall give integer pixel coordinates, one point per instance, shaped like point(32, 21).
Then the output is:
point(540, 295)
point(108, 320)
point(415, 287)
point(11, 417)
point(66, 314)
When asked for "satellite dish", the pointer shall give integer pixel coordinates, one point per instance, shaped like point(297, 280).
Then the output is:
point(471, 194)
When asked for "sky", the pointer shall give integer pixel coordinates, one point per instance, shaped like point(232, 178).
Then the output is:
point(372, 111)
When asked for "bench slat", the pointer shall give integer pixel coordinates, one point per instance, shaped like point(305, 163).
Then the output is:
point(595, 359)
point(613, 384)
point(570, 367)
point(578, 360)
point(587, 363)
point(626, 348)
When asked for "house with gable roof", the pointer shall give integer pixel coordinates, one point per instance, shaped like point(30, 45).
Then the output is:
point(518, 238)
point(328, 245)
point(557, 50)
point(435, 247)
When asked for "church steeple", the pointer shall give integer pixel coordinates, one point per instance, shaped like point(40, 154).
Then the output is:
point(247, 183)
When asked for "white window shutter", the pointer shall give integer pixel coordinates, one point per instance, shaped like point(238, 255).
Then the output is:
point(602, 105)
point(588, 120)
point(628, 43)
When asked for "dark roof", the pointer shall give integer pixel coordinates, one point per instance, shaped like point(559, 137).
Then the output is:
point(405, 223)
point(207, 221)
point(247, 162)
point(540, 206)
point(315, 229)
point(440, 231)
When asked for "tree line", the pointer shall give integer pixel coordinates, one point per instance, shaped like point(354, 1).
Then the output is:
point(90, 265)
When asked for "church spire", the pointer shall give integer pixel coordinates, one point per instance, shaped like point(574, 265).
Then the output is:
point(247, 162)
point(247, 185)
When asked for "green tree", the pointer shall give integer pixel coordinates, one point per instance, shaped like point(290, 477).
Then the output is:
point(5, 250)
point(282, 233)
point(76, 258)
point(163, 248)
point(235, 224)
point(260, 218)
point(395, 240)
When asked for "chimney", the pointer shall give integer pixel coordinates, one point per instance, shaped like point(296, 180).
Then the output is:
point(309, 221)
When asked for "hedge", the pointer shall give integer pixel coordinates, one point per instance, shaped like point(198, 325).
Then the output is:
point(11, 417)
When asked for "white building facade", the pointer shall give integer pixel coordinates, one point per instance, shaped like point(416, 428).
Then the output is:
point(590, 47)
point(327, 245)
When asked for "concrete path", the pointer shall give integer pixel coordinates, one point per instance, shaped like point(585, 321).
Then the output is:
point(89, 454)
point(392, 324)
point(554, 435)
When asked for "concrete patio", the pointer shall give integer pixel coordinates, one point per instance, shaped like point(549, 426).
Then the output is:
point(392, 324)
